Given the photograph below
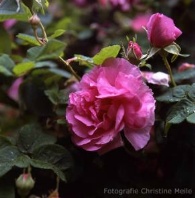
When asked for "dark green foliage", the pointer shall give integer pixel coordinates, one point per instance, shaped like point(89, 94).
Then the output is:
point(184, 97)
point(33, 98)
point(35, 148)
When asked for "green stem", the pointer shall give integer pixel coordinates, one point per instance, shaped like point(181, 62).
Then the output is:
point(65, 62)
point(57, 183)
point(43, 32)
point(164, 57)
point(70, 68)
point(36, 36)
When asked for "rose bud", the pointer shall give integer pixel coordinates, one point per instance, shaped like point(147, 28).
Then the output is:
point(161, 30)
point(134, 52)
point(24, 184)
point(34, 21)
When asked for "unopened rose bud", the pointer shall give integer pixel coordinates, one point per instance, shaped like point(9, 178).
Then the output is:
point(34, 20)
point(161, 31)
point(24, 184)
point(134, 52)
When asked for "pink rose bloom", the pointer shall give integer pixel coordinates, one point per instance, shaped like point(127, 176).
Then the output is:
point(112, 98)
point(139, 22)
point(161, 30)
point(158, 78)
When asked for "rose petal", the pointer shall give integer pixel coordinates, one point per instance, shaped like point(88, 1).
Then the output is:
point(138, 138)
point(115, 143)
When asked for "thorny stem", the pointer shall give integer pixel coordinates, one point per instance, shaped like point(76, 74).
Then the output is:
point(36, 36)
point(164, 57)
point(70, 68)
point(43, 31)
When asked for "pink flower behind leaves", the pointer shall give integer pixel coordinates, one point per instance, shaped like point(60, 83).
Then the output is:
point(139, 22)
point(9, 23)
point(112, 98)
point(185, 66)
point(161, 30)
point(13, 91)
point(80, 2)
point(122, 4)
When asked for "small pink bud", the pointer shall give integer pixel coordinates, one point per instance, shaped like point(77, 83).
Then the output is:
point(24, 184)
point(134, 52)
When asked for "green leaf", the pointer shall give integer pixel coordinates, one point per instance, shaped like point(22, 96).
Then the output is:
point(60, 72)
point(5, 41)
point(61, 121)
point(180, 111)
point(85, 34)
point(54, 157)
point(9, 9)
point(174, 94)
point(63, 23)
point(5, 167)
point(53, 95)
point(48, 64)
point(8, 155)
point(45, 165)
point(52, 50)
point(54, 154)
point(107, 52)
point(84, 60)
point(151, 53)
point(57, 33)
point(31, 137)
point(6, 65)
point(39, 5)
point(22, 161)
point(5, 71)
point(57, 96)
point(6, 61)
point(185, 75)
point(173, 49)
point(191, 118)
point(28, 39)
point(4, 142)
point(166, 129)
point(22, 68)
point(191, 92)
